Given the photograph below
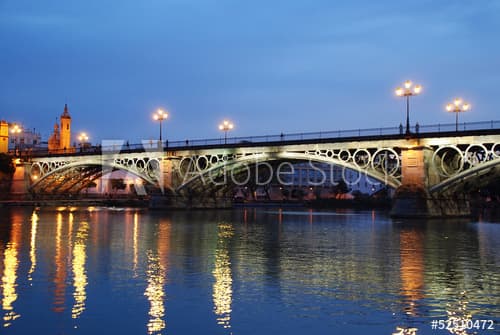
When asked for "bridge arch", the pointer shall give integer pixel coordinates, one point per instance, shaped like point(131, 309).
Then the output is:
point(202, 168)
point(42, 173)
point(484, 170)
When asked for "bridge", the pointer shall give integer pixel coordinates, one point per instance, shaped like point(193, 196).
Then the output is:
point(432, 169)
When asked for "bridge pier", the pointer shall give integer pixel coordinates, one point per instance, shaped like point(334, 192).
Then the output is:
point(412, 201)
point(20, 185)
point(412, 198)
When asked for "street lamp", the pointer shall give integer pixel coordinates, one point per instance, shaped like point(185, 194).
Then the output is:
point(407, 91)
point(225, 126)
point(456, 107)
point(15, 131)
point(83, 138)
point(160, 115)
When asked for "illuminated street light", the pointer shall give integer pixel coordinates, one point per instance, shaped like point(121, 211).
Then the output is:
point(458, 106)
point(83, 138)
point(15, 130)
point(407, 91)
point(225, 126)
point(160, 115)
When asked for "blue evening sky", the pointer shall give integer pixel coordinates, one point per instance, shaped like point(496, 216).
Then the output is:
point(270, 66)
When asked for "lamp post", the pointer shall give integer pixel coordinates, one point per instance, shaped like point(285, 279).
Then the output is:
point(160, 115)
point(83, 138)
point(15, 131)
point(407, 91)
point(225, 126)
point(458, 106)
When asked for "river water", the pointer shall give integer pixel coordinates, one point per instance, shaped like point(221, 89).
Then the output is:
point(245, 271)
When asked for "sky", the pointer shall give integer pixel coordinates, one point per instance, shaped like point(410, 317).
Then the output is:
point(270, 66)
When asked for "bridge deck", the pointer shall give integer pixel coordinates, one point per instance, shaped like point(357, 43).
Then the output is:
point(364, 135)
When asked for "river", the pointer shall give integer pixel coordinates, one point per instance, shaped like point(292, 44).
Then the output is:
point(245, 271)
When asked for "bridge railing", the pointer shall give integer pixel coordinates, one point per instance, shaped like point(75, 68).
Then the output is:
point(338, 134)
point(276, 138)
point(285, 137)
point(462, 126)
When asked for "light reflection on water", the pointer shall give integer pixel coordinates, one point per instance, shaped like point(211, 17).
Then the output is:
point(34, 224)
point(244, 271)
point(156, 277)
point(222, 288)
point(411, 268)
point(9, 277)
point(79, 273)
point(60, 261)
point(155, 293)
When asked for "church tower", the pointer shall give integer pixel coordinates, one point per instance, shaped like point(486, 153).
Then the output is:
point(54, 140)
point(65, 136)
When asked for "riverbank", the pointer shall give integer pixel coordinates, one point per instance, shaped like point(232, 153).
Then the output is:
point(482, 211)
point(77, 203)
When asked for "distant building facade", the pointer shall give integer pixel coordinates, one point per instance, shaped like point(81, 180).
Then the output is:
point(4, 136)
point(308, 181)
point(309, 174)
point(22, 139)
point(25, 139)
point(60, 140)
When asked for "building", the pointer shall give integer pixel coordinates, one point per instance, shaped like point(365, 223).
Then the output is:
point(60, 140)
point(308, 181)
point(4, 136)
point(23, 138)
point(323, 175)
point(16, 139)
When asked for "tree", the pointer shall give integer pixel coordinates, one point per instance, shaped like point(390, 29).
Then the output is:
point(341, 187)
point(90, 184)
point(118, 184)
point(6, 164)
point(298, 193)
point(7, 169)
point(317, 192)
point(285, 193)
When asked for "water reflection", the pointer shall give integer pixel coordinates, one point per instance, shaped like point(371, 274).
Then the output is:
point(411, 268)
point(60, 273)
point(458, 316)
point(258, 271)
point(156, 277)
point(69, 238)
point(405, 331)
point(34, 225)
point(135, 242)
point(79, 273)
point(155, 293)
point(10, 267)
point(222, 288)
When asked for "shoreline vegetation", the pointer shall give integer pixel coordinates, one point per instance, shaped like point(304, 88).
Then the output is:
point(7, 169)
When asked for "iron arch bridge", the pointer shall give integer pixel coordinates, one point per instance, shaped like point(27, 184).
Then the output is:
point(200, 170)
point(440, 162)
point(464, 167)
point(73, 173)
